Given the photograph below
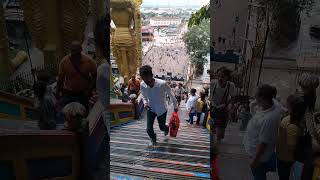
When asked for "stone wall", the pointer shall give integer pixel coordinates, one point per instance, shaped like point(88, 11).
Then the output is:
point(280, 73)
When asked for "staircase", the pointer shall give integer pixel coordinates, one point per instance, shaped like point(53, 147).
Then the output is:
point(184, 157)
point(234, 161)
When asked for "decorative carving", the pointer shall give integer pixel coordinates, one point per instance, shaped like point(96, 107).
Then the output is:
point(74, 20)
point(48, 28)
point(35, 18)
point(4, 46)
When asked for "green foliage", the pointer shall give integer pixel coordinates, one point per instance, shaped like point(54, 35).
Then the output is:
point(199, 16)
point(148, 15)
point(197, 40)
point(285, 19)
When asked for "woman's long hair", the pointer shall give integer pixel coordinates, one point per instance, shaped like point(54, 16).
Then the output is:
point(310, 100)
point(309, 83)
point(298, 109)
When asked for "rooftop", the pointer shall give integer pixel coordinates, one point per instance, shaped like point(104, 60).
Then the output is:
point(165, 18)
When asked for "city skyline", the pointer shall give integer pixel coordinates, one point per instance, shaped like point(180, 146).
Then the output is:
point(174, 3)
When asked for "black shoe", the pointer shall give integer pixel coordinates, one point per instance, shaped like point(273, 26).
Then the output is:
point(154, 141)
point(166, 133)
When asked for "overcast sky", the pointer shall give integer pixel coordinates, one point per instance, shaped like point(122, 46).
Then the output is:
point(175, 2)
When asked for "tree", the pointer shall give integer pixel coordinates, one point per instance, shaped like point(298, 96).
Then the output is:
point(199, 16)
point(197, 40)
point(285, 19)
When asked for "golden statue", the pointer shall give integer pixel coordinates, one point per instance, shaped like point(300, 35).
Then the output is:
point(138, 27)
point(54, 24)
point(126, 36)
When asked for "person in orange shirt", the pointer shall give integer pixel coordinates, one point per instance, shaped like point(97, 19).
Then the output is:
point(133, 85)
point(77, 77)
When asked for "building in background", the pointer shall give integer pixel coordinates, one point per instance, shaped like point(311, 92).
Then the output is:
point(147, 33)
point(164, 21)
point(228, 30)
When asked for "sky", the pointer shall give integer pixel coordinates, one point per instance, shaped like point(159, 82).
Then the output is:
point(173, 3)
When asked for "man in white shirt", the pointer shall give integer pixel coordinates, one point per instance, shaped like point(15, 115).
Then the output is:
point(153, 93)
point(103, 88)
point(178, 93)
point(191, 105)
point(262, 130)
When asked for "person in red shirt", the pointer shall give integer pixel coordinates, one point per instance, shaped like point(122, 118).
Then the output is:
point(134, 85)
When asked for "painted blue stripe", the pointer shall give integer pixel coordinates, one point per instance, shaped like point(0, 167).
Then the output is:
point(203, 175)
point(122, 124)
point(122, 177)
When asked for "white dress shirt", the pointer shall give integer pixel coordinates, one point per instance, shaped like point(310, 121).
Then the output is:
point(155, 97)
point(103, 83)
point(263, 128)
point(103, 89)
point(191, 103)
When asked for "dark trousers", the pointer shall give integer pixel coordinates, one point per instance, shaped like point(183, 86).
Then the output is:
point(198, 117)
point(69, 97)
point(284, 169)
point(307, 171)
point(151, 116)
point(260, 172)
point(178, 100)
point(191, 117)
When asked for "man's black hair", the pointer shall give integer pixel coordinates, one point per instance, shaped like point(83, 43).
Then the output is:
point(39, 89)
point(224, 70)
point(265, 92)
point(193, 91)
point(146, 70)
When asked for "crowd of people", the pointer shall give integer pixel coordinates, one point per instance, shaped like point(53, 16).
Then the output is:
point(79, 86)
point(288, 135)
point(277, 136)
point(164, 59)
